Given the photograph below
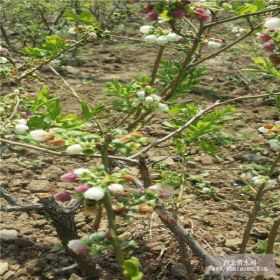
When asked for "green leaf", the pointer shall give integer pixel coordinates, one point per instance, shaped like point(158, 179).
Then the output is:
point(70, 121)
point(260, 4)
point(86, 17)
point(43, 95)
point(85, 110)
point(35, 52)
point(53, 44)
point(252, 8)
point(37, 122)
point(131, 269)
point(54, 109)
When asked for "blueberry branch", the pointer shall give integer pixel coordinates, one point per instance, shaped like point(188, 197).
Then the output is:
point(242, 16)
point(196, 117)
point(45, 150)
point(256, 207)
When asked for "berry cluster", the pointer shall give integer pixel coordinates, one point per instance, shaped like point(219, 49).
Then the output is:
point(175, 10)
point(270, 39)
point(158, 36)
point(152, 101)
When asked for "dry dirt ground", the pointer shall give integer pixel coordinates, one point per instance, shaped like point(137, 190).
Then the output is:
point(217, 225)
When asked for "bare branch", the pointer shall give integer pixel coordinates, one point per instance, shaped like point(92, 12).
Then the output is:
point(24, 208)
point(11, 199)
point(225, 47)
point(144, 171)
point(242, 16)
point(184, 235)
point(28, 146)
point(47, 61)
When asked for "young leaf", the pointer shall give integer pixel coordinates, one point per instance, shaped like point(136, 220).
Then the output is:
point(35, 122)
point(54, 109)
point(131, 268)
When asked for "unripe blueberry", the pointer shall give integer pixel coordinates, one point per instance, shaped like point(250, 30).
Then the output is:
point(173, 37)
point(150, 39)
point(263, 130)
point(163, 107)
point(272, 23)
point(115, 188)
point(26, 115)
point(77, 246)
point(21, 128)
point(75, 149)
point(38, 134)
point(141, 94)
point(63, 197)
point(155, 97)
point(97, 236)
point(95, 193)
point(269, 47)
point(21, 121)
point(82, 188)
point(152, 15)
point(69, 177)
point(72, 30)
point(81, 171)
point(259, 180)
point(213, 44)
point(162, 40)
point(91, 36)
point(3, 60)
point(149, 99)
point(145, 29)
point(201, 14)
point(154, 188)
point(264, 37)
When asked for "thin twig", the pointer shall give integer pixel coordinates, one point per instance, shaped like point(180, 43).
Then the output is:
point(15, 108)
point(29, 72)
point(224, 48)
point(193, 119)
point(271, 240)
point(241, 16)
point(28, 146)
point(44, 20)
point(72, 91)
point(184, 235)
point(144, 171)
point(185, 259)
point(256, 207)
point(65, 269)
point(156, 64)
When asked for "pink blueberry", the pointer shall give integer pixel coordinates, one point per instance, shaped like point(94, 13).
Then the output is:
point(152, 15)
point(264, 37)
point(82, 188)
point(201, 14)
point(178, 13)
point(63, 197)
point(69, 177)
point(269, 47)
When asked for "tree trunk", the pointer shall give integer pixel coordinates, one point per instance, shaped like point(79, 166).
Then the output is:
point(63, 221)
